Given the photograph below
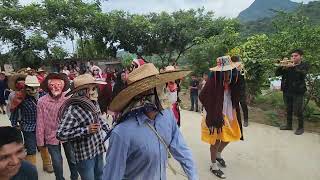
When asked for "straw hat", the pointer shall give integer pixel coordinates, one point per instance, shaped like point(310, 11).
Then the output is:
point(62, 76)
point(224, 63)
point(84, 81)
point(32, 81)
point(41, 70)
point(142, 79)
point(12, 80)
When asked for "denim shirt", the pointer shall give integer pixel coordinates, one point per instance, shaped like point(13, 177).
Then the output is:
point(136, 153)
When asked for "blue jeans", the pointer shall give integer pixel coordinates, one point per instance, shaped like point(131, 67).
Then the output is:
point(91, 169)
point(57, 161)
point(30, 142)
point(194, 101)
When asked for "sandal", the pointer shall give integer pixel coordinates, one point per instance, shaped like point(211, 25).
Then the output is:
point(218, 173)
point(222, 162)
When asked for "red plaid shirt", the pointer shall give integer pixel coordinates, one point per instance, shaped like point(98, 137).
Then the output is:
point(47, 119)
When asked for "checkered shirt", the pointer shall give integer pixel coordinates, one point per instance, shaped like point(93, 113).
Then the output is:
point(27, 111)
point(73, 127)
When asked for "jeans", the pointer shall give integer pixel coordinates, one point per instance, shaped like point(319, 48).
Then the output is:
point(30, 142)
point(194, 101)
point(91, 169)
point(57, 161)
point(293, 103)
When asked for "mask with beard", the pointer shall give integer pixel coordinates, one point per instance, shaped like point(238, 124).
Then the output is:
point(56, 87)
point(31, 91)
point(93, 93)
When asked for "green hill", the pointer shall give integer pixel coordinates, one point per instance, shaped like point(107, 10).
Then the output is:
point(260, 9)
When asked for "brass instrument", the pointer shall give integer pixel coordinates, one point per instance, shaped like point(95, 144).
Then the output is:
point(285, 62)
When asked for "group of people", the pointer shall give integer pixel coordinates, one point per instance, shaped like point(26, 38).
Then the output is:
point(144, 136)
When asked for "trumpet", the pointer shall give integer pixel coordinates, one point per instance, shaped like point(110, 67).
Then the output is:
point(285, 62)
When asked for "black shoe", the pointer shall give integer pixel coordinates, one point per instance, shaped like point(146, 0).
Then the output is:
point(245, 123)
point(218, 173)
point(285, 127)
point(299, 131)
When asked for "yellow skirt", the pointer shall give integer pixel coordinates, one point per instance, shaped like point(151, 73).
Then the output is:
point(230, 131)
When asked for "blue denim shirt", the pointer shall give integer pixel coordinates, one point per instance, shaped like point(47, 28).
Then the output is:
point(136, 153)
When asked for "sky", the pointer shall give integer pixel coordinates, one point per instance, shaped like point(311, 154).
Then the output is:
point(227, 8)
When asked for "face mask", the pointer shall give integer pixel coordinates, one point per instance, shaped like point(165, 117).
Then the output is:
point(56, 87)
point(93, 93)
point(31, 91)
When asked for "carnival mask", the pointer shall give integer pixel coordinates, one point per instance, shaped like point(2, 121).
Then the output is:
point(93, 93)
point(56, 87)
point(31, 91)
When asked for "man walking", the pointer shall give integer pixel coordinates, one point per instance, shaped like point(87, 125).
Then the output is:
point(24, 117)
point(293, 86)
point(194, 86)
point(81, 124)
point(47, 123)
point(146, 134)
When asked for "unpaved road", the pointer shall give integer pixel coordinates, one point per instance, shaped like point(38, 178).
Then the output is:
point(266, 153)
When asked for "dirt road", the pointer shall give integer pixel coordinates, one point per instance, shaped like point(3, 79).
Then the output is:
point(266, 154)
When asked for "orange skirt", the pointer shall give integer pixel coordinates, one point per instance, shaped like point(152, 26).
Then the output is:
point(230, 131)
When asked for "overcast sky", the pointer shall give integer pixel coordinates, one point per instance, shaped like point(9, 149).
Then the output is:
point(228, 8)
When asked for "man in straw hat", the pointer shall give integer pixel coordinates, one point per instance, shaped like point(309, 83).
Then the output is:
point(81, 124)
point(145, 132)
point(221, 121)
point(48, 107)
point(26, 115)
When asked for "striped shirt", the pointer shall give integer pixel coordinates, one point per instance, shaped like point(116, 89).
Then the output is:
point(28, 110)
point(47, 119)
point(74, 128)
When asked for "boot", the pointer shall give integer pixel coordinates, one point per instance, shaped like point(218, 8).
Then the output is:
point(46, 160)
point(299, 131)
point(32, 159)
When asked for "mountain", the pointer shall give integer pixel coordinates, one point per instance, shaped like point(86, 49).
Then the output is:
point(264, 25)
point(265, 8)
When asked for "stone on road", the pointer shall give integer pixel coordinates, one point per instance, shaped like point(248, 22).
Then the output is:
point(266, 153)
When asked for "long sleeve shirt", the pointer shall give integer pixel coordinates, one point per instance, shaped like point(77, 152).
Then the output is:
point(74, 127)
point(47, 119)
point(28, 111)
point(293, 78)
point(135, 152)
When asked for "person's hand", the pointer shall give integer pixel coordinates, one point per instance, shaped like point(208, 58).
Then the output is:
point(18, 128)
point(94, 128)
point(289, 65)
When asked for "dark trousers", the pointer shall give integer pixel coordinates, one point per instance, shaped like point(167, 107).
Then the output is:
point(57, 161)
point(244, 108)
point(294, 103)
point(30, 142)
point(194, 101)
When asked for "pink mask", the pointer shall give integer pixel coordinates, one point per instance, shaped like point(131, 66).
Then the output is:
point(56, 86)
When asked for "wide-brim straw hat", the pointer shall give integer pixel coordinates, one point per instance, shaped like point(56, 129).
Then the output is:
point(84, 81)
point(225, 64)
point(12, 80)
point(32, 81)
point(142, 79)
point(62, 76)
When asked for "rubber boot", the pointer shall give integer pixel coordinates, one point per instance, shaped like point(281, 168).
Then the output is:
point(46, 159)
point(32, 159)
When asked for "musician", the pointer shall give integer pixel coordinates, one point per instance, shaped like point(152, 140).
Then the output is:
point(293, 86)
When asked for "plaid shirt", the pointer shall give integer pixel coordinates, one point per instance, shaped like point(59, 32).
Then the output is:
point(73, 127)
point(28, 111)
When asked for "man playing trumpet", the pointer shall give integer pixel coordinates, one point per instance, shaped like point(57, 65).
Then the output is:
point(293, 86)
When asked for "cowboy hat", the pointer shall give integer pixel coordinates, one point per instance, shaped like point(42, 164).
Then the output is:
point(41, 70)
point(62, 76)
point(224, 63)
point(12, 80)
point(32, 81)
point(142, 79)
point(84, 81)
